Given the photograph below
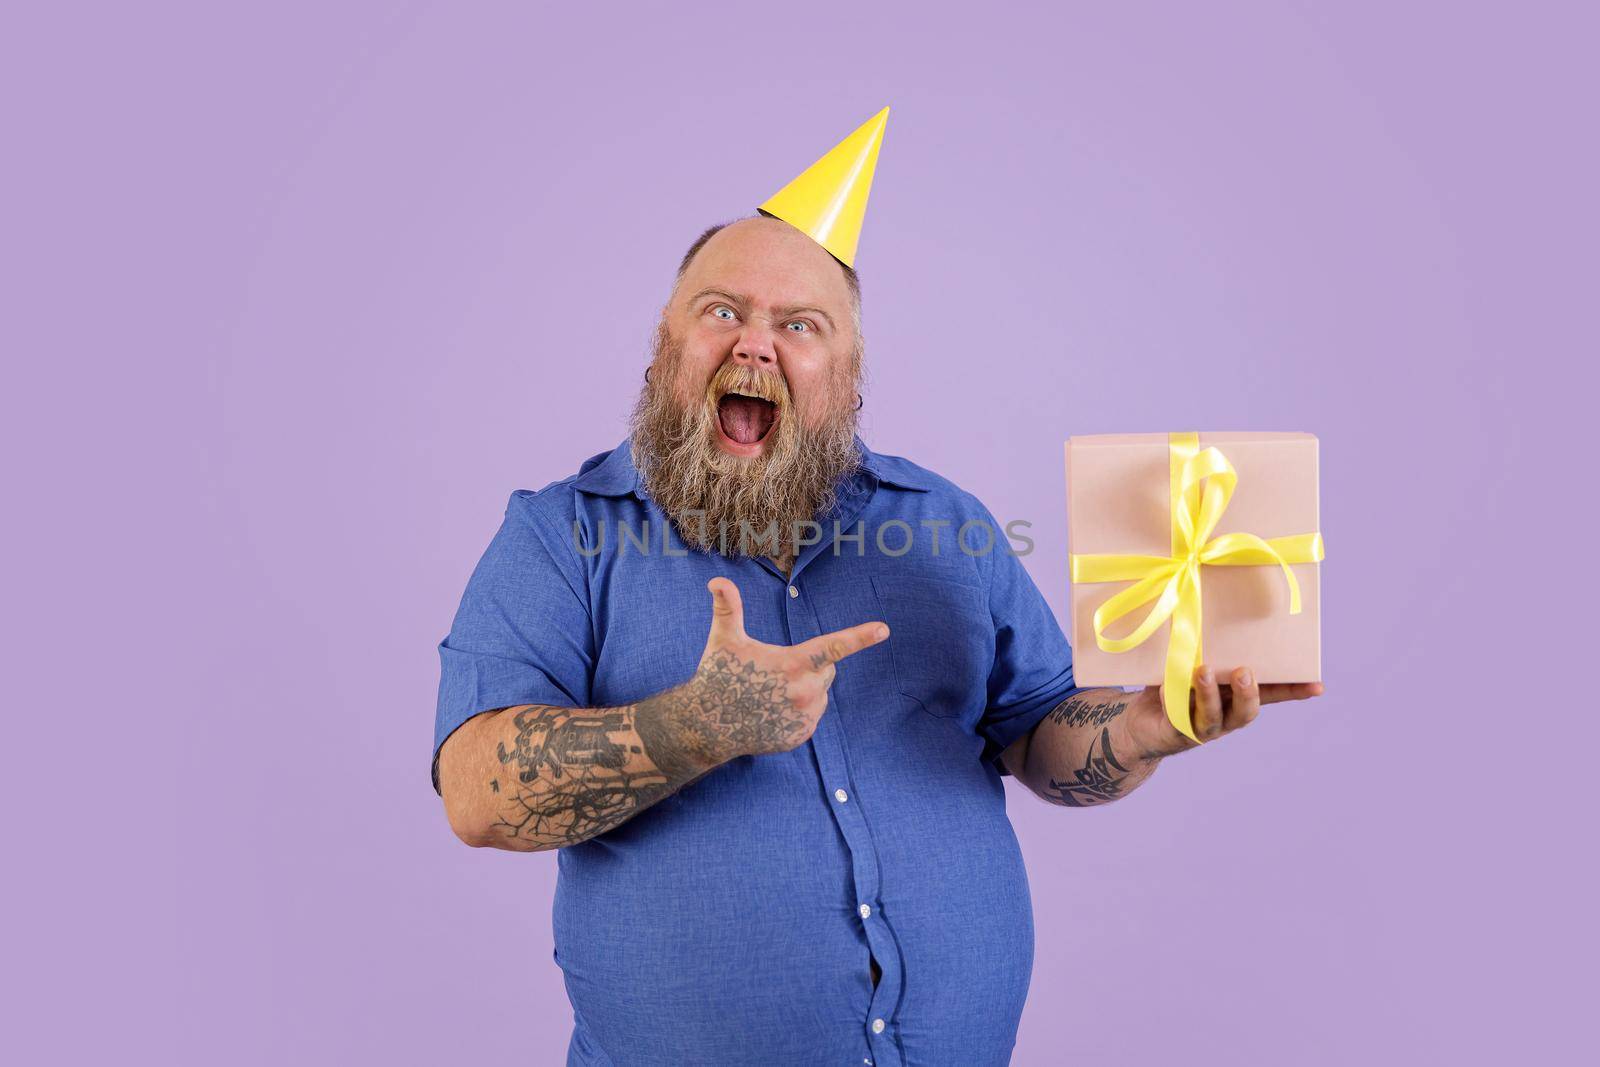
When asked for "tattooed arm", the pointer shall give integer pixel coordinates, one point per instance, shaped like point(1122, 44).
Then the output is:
point(536, 777)
point(1082, 753)
point(1101, 744)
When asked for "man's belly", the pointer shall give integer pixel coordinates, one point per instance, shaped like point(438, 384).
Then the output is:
point(723, 933)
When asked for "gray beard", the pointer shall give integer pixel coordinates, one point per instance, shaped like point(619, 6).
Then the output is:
point(738, 506)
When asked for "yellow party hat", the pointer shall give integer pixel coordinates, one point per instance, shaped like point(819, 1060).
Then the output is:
point(829, 200)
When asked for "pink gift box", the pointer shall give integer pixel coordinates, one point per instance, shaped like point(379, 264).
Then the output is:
point(1119, 501)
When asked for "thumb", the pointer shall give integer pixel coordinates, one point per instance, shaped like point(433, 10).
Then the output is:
point(727, 610)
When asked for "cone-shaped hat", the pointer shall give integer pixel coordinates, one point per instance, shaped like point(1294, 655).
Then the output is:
point(829, 200)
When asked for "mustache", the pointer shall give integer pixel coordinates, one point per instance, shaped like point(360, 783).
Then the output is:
point(745, 380)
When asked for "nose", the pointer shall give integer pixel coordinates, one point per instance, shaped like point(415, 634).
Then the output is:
point(755, 347)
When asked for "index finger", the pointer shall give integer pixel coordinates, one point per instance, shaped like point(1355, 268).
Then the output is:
point(1273, 693)
point(831, 648)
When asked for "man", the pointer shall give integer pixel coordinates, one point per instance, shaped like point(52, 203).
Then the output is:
point(767, 736)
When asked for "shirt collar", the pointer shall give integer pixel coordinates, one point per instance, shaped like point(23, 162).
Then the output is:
point(893, 470)
point(613, 473)
point(610, 473)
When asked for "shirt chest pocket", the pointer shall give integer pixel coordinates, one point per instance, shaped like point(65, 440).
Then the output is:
point(941, 640)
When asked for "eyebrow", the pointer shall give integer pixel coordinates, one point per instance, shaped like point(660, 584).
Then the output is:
point(783, 312)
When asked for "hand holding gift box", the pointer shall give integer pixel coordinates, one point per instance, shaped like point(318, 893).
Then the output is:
point(1219, 531)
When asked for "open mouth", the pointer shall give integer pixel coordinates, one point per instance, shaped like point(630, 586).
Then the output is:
point(746, 419)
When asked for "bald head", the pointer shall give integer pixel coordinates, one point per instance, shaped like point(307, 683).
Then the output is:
point(780, 239)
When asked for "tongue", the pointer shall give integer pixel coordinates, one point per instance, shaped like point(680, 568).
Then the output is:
point(744, 418)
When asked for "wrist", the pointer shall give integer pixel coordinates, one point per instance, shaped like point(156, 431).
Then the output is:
point(1145, 727)
point(676, 734)
point(715, 744)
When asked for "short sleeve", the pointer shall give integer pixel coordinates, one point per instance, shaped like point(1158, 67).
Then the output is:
point(1032, 670)
point(522, 634)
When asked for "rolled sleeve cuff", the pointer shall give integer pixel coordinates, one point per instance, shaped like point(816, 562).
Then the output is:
point(1001, 732)
point(471, 683)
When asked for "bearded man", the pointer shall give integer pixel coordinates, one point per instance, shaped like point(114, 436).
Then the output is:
point(766, 737)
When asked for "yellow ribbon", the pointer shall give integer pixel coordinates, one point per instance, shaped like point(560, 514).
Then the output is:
point(1173, 582)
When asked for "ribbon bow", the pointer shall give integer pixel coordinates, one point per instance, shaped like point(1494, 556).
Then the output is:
point(1173, 582)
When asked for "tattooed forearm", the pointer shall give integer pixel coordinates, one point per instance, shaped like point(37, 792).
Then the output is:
point(1080, 755)
point(1085, 710)
point(573, 773)
point(561, 776)
point(1098, 781)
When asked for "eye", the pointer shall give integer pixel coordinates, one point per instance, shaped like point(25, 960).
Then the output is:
point(800, 326)
point(723, 312)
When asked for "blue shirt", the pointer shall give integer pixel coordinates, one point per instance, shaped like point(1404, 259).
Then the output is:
point(735, 921)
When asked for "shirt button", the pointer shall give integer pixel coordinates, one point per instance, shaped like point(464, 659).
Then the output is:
point(793, 592)
point(840, 795)
point(865, 911)
point(877, 1026)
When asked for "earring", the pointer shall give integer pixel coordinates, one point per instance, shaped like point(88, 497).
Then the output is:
point(859, 401)
point(647, 374)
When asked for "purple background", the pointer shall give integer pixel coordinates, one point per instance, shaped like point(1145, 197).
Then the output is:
point(297, 296)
